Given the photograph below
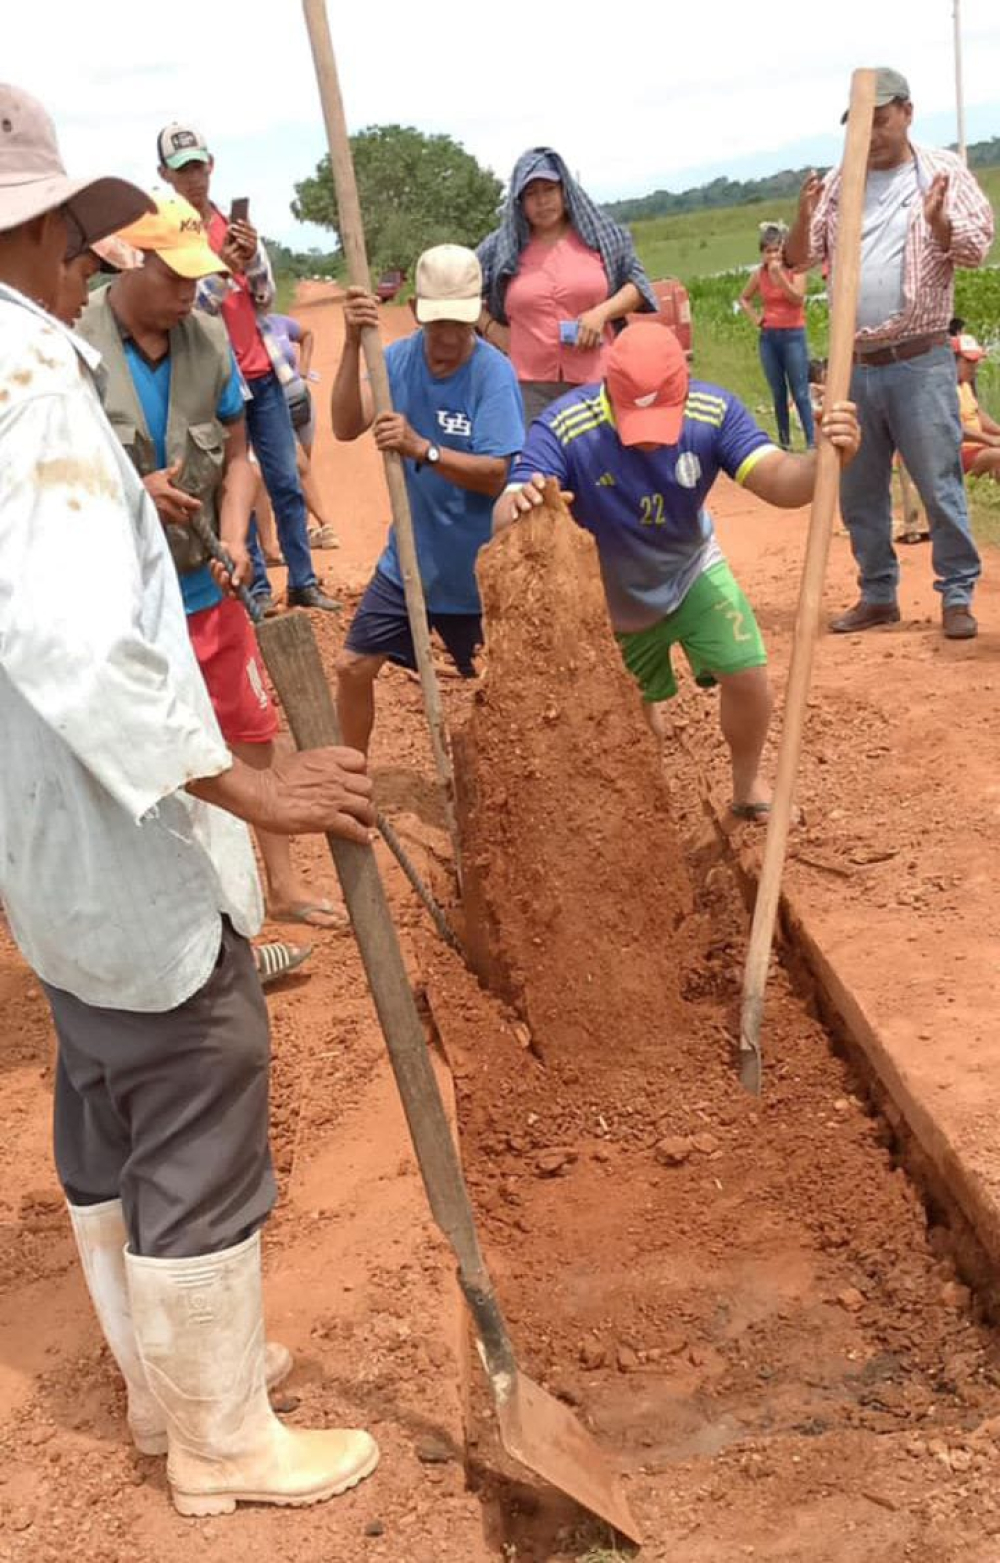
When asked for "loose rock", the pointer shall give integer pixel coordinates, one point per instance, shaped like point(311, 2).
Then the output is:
point(673, 1151)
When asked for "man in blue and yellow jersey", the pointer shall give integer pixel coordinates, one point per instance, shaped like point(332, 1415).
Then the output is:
point(640, 452)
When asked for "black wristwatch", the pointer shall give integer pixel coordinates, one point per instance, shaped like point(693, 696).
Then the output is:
point(433, 455)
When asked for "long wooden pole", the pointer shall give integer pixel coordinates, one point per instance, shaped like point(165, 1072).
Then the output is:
point(352, 237)
point(846, 267)
point(959, 93)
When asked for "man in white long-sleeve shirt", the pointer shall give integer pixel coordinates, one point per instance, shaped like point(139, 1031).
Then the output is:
point(129, 883)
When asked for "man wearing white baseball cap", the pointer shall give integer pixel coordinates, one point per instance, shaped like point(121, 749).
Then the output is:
point(129, 894)
point(457, 422)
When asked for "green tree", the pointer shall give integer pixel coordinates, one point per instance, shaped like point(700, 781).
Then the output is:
point(415, 191)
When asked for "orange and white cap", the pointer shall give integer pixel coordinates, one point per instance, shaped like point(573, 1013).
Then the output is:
point(647, 384)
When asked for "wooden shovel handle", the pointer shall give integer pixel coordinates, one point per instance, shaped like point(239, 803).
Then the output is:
point(847, 264)
point(352, 237)
point(289, 649)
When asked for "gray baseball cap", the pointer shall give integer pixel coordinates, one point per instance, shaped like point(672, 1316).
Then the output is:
point(890, 85)
point(33, 179)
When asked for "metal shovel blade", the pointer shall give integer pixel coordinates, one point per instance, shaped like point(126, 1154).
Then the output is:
point(541, 1433)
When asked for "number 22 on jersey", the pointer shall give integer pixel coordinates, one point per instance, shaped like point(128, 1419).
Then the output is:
point(651, 510)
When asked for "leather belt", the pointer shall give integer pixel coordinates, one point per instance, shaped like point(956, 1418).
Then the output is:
point(898, 351)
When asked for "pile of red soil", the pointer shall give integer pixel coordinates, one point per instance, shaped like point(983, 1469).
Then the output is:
point(574, 886)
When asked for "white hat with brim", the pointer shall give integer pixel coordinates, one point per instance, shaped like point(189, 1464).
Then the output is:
point(449, 285)
point(97, 206)
point(33, 180)
point(465, 310)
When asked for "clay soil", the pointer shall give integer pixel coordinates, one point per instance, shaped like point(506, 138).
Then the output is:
point(745, 1300)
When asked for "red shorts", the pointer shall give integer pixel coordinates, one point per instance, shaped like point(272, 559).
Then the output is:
point(226, 648)
point(969, 453)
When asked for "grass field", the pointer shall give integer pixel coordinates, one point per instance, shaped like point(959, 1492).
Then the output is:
point(711, 251)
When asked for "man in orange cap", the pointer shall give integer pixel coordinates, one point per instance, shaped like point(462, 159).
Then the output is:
point(175, 396)
point(640, 452)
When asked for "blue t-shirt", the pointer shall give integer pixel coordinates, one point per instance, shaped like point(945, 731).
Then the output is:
point(478, 410)
point(646, 509)
point(152, 385)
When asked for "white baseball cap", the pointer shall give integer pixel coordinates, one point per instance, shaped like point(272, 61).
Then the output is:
point(449, 285)
point(179, 144)
point(33, 179)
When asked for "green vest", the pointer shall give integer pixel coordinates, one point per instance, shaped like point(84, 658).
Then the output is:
point(200, 367)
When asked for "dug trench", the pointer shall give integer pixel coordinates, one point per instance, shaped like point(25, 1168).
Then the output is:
point(745, 1299)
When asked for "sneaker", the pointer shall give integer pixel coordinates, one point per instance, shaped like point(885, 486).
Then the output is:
point(865, 616)
point(958, 622)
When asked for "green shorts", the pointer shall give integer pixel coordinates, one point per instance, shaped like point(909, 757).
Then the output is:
point(715, 627)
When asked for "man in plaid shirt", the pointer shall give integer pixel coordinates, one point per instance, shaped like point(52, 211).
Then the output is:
point(924, 215)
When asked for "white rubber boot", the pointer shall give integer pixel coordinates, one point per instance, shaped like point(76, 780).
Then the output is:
point(200, 1328)
point(101, 1238)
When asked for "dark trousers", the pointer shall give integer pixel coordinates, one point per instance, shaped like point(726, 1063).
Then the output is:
point(169, 1112)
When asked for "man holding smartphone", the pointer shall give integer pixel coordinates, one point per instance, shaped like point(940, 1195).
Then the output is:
point(243, 299)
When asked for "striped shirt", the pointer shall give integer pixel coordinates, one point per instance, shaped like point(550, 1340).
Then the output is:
point(928, 270)
point(646, 509)
point(113, 877)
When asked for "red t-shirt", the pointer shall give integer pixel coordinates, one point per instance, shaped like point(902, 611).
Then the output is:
point(240, 314)
point(780, 312)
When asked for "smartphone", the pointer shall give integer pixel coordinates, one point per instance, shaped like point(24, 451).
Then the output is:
point(569, 332)
point(239, 211)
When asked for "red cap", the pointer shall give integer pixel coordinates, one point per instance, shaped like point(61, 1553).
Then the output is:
point(647, 381)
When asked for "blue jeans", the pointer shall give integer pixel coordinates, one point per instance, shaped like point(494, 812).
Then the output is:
point(269, 429)
point(785, 360)
point(909, 407)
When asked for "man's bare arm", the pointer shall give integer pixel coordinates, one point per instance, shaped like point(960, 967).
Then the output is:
point(351, 405)
point(788, 481)
point(318, 790)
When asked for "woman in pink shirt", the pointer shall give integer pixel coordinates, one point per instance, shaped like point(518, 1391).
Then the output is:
point(781, 320)
point(559, 277)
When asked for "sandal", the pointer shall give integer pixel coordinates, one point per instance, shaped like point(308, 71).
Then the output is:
point(751, 811)
point(323, 537)
point(277, 960)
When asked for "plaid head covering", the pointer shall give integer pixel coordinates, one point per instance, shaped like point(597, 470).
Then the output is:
point(500, 251)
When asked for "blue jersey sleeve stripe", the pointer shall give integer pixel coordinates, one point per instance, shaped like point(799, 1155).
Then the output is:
point(748, 463)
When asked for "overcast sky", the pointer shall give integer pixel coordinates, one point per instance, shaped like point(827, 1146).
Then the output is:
point(654, 95)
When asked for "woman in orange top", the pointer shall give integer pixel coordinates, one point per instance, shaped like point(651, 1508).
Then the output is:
point(781, 320)
point(980, 434)
point(559, 277)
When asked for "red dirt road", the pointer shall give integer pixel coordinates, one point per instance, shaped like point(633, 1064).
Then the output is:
point(760, 1409)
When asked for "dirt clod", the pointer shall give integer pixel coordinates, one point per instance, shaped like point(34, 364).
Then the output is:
point(627, 1359)
point(673, 1151)
point(433, 1451)
point(954, 1295)
point(592, 1355)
